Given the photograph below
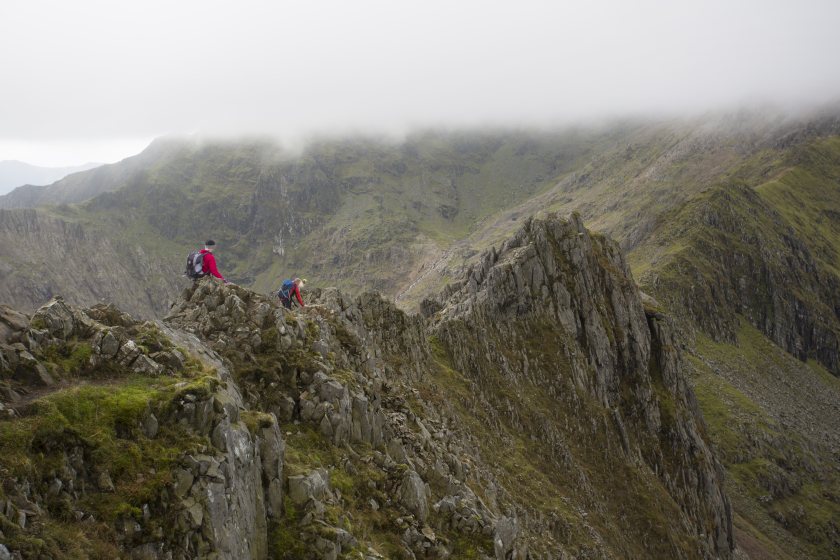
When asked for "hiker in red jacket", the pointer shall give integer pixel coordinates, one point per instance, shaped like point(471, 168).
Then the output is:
point(291, 288)
point(208, 265)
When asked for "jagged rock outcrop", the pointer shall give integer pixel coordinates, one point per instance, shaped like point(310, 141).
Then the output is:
point(221, 493)
point(555, 310)
point(337, 374)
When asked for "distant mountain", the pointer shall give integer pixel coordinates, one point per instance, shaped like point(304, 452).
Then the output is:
point(80, 187)
point(15, 174)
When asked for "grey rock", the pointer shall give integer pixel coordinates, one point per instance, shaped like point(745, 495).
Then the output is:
point(61, 321)
point(313, 486)
point(42, 375)
point(150, 426)
point(110, 345)
point(285, 409)
point(275, 497)
point(413, 494)
point(27, 369)
point(183, 481)
point(321, 348)
point(397, 451)
point(173, 360)
point(325, 427)
point(104, 483)
point(128, 352)
point(146, 366)
point(219, 438)
point(55, 487)
point(331, 391)
point(196, 514)
point(504, 536)
point(12, 323)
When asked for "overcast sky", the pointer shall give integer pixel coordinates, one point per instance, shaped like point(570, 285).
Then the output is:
point(86, 80)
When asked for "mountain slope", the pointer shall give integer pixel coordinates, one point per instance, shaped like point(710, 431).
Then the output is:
point(44, 255)
point(549, 327)
point(361, 212)
point(769, 253)
point(749, 268)
point(79, 187)
point(731, 225)
point(400, 217)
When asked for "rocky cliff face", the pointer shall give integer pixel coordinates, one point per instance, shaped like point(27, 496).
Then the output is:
point(116, 428)
point(740, 256)
point(538, 413)
point(42, 255)
point(555, 313)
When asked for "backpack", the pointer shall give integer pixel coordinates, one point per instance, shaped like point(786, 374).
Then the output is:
point(285, 291)
point(195, 265)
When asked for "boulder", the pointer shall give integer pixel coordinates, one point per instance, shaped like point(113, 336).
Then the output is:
point(61, 321)
point(11, 323)
point(145, 365)
point(104, 483)
point(413, 494)
point(109, 345)
point(313, 486)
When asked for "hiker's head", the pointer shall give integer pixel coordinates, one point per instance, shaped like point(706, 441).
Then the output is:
point(300, 283)
point(210, 245)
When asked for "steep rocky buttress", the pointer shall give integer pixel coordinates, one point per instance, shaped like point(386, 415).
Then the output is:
point(553, 318)
point(536, 412)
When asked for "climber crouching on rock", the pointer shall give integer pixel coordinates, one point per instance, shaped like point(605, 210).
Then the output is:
point(291, 288)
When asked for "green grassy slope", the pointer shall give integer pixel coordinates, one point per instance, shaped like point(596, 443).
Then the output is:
point(774, 422)
point(767, 251)
point(642, 173)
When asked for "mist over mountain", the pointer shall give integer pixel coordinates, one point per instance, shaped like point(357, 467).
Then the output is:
point(17, 174)
point(664, 290)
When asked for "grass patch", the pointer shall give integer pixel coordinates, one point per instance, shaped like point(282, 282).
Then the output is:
point(256, 420)
point(72, 357)
point(103, 423)
point(783, 486)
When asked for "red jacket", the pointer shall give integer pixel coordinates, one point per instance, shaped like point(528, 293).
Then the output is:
point(296, 291)
point(208, 264)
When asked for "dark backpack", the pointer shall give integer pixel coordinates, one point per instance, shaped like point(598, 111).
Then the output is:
point(195, 265)
point(285, 291)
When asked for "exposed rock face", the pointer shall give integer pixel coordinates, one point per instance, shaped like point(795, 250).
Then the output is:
point(743, 258)
point(42, 256)
point(546, 407)
point(555, 309)
point(222, 496)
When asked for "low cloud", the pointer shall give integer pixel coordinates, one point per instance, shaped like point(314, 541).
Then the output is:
point(99, 70)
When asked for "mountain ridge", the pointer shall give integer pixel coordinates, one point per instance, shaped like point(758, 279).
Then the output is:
point(341, 428)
